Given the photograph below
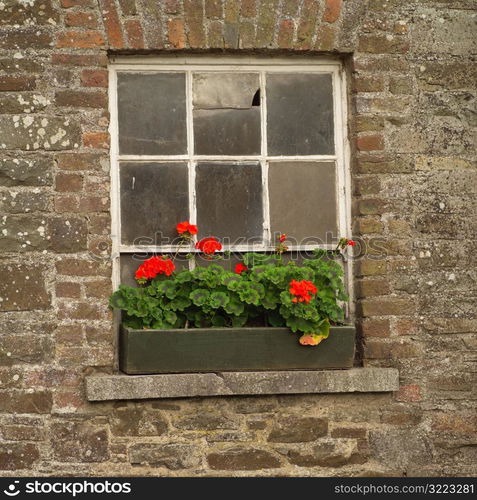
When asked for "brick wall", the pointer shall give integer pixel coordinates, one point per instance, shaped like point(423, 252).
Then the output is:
point(412, 97)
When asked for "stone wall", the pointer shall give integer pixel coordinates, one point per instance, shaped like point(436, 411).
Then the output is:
point(412, 108)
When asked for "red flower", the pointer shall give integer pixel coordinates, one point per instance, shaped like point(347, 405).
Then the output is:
point(208, 245)
point(186, 227)
point(240, 268)
point(282, 238)
point(150, 268)
point(302, 290)
point(351, 243)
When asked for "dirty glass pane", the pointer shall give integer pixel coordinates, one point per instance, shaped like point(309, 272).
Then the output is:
point(226, 111)
point(154, 198)
point(224, 90)
point(129, 262)
point(152, 113)
point(229, 200)
point(299, 114)
point(227, 131)
point(302, 199)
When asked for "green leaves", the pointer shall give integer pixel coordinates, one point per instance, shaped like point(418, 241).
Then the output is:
point(215, 297)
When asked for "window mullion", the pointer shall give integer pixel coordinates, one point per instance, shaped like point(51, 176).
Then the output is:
point(263, 160)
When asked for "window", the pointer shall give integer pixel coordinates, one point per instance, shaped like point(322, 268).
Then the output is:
point(244, 147)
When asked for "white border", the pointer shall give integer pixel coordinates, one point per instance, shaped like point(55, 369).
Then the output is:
point(188, 64)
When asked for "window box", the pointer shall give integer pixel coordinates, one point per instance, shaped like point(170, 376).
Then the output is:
point(230, 349)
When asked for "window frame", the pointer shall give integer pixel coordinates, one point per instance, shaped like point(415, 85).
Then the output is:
point(231, 64)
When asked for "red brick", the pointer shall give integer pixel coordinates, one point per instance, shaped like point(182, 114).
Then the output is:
point(17, 83)
point(98, 289)
point(68, 401)
point(67, 4)
point(80, 40)
point(391, 350)
point(79, 60)
point(213, 9)
point(135, 35)
point(405, 327)
point(81, 99)
point(176, 34)
point(81, 20)
point(78, 310)
point(94, 78)
point(92, 203)
point(128, 7)
point(376, 328)
point(285, 34)
point(195, 23)
point(112, 24)
point(370, 143)
point(79, 161)
point(332, 11)
point(171, 6)
point(25, 38)
point(368, 84)
point(458, 424)
point(409, 394)
point(69, 182)
point(392, 306)
point(68, 289)
point(370, 288)
point(248, 8)
point(81, 267)
point(96, 140)
point(66, 203)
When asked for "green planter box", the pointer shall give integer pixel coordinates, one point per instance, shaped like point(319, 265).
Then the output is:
point(231, 349)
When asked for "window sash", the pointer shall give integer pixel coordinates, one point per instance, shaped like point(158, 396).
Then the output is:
point(241, 64)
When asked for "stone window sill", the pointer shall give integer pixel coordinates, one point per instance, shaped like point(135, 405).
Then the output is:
point(188, 385)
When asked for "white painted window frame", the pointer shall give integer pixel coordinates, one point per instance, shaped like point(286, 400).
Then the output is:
point(241, 64)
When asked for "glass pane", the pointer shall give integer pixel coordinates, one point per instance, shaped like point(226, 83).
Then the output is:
point(226, 113)
point(229, 200)
point(227, 131)
point(302, 199)
point(300, 114)
point(154, 198)
point(152, 113)
point(225, 90)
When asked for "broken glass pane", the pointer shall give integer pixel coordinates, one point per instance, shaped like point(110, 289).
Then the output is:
point(154, 198)
point(226, 113)
point(302, 199)
point(224, 90)
point(152, 113)
point(229, 200)
point(300, 114)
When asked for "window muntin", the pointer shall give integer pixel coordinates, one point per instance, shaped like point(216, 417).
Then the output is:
point(214, 113)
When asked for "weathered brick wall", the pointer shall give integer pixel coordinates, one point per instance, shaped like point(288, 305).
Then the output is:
point(412, 97)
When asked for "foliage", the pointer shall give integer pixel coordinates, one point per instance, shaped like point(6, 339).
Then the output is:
point(257, 294)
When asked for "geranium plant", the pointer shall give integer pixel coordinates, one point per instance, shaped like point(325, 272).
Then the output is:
point(261, 290)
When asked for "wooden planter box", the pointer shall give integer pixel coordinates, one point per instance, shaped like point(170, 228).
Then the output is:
point(230, 349)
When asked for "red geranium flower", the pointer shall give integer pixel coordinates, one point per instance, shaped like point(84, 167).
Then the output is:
point(186, 227)
point(282, 238)
point(240, 268)
point(150, 268)
point(302, 290)
point(208, 245)
point(351, 243)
